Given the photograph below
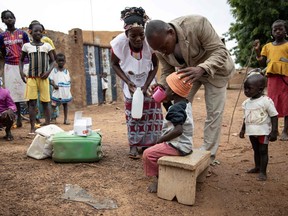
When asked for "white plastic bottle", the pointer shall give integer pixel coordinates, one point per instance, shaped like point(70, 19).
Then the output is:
point(137, 104)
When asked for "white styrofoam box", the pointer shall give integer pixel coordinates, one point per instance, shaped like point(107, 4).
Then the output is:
point(82, 125)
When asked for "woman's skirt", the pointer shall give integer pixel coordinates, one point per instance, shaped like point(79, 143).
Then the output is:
point(145, 131)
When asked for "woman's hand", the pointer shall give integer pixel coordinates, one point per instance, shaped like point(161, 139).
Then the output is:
point(191, 74)
point(131, 86)
point(144, 89)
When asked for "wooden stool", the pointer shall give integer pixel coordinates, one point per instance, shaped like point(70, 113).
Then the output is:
point(178, 175)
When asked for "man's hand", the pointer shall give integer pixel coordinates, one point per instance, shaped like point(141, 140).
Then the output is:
point(191, 74)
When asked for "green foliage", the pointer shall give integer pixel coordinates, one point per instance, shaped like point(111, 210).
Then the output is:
point(254, 19)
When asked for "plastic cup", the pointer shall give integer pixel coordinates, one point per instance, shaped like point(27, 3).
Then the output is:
point(159, 94)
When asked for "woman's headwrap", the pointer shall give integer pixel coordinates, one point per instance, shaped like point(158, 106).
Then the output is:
point(134, 17)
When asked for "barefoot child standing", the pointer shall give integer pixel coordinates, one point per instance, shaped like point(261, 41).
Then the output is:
point(177, 131)
point(39, 70)
point(260, 121)
point(274, 55)
point(61, 82)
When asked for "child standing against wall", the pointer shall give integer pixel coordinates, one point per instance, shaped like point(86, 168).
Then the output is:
point(39, 54)
point(177, 130)
point(61, 82)
point(260, 122)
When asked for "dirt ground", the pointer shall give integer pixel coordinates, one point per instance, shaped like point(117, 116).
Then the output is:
point(35, 187)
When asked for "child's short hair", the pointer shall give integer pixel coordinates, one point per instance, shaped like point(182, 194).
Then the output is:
point(257, 75)
point(60, 55)
point(34, 22)
point(283, 22)
point(4, 12)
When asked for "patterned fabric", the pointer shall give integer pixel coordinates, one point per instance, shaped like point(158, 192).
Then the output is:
point(12, 43)
point(38, 58)
point(144, 131)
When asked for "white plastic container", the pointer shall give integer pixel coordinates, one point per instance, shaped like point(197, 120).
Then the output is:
point(137, 104)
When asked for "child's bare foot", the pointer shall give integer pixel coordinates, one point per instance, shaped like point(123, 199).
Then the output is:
point(254, 170)
point(19, 124)
point(134, 153)
point(153, 187)
point(262, 177)
point(53, 121)
point(66, 123)
point(284, 136)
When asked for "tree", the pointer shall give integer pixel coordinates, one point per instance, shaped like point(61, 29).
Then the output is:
point(254, 19)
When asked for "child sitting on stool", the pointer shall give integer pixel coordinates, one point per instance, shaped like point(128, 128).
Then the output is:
point(177, 131)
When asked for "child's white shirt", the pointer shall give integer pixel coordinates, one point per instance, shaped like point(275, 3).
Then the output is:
point(257, 114)
point(62, 80)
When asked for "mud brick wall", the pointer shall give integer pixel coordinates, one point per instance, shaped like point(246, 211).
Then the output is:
point(71, 45)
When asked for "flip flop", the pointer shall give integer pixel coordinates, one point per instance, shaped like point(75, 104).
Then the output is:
point(134, 156)
point(215, 162)
point(43, 124)
point(37, 125)
point(31, 135)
